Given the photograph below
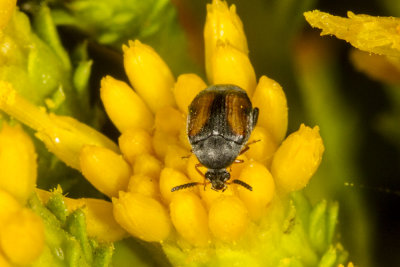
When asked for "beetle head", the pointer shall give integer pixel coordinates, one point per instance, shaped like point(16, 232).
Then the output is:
point(218, 178)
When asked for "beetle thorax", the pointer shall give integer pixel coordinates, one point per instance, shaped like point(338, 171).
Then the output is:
point(216, 152)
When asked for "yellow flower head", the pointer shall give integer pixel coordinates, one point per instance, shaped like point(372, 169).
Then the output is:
point(154, 155)
point(157, 155)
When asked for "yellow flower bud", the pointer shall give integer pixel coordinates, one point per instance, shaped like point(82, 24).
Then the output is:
point(231, 66)
point(186, 88)
point(183, 139)
point(209, 196)
point(135, 142)
point(227, 218)
point(297, 159)
point(22, 237)
point(176, 158)
point(144, 185)
point(192, 172)
point(17, 162)
point(170, 120)
point(222, 23)
point(142, 216)
point(8, 206)
point(3, 261)
point(236, 168)
point(169, 178)
point(100, 222)
point(7, 8)
point(105, 169)
point(149, 75)
point(271, 101)
point(124, 107)
point(190, 218)
point(260, 179)
point(148, 165)
point(63, 136)
point(161, 142)
point(264, 149)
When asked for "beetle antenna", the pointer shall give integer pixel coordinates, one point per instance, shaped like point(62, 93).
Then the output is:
point(183, 186)
point(240, 182)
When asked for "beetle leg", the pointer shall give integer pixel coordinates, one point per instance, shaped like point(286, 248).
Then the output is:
point(238, 161)
point(198, 170)
point(247, 146)
point(187, 156)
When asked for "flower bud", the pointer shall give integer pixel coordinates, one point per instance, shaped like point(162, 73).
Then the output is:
point(17, 162)
point(105, 169)
point(222, 24)
point(271, 101)
point(232, 66)
point(169, 120)
point(186, 88)
point(209, 196)
point(190, 218)
point(144, 185)
point(227, 218)
point(7, 8)
point(297, 159)
point(22, 237)
point(135, 142)
point(260, 179)
point(142, 216)
point(124, 107)
point(264, 148)
point(193, 174)
point(8, 206)
point(148, 165)
point(169, 178)
point(176, 158)
point(162, 141)
point(149, 75)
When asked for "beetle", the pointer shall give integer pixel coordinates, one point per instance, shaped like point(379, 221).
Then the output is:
point(219, 123)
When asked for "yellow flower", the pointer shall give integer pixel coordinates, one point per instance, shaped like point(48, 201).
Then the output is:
point(154, 155)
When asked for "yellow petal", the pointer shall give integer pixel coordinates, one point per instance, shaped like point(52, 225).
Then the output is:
point(149, 75)
point(263, 150)
point(105, 169)
point(22, 237)
point(142, 216)
point(63, 136)
point(3, 261)
point(144, 185)
point(222, 24)
point(260, 179)
point(379, 35)
point(297, 159)
point(100, 222)
point(170, 120)
point(124, 107)
point(190, 218)
point(17, 162)
point(148, 165)
point(135, 142)
point(232, 66)
point(7, 8)
point(8, 206)
point(271, 101)
point(186, 88)
point(169, 178)
point(227, 218)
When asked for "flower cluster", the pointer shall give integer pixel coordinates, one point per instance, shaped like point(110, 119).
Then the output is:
point(151, 157)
